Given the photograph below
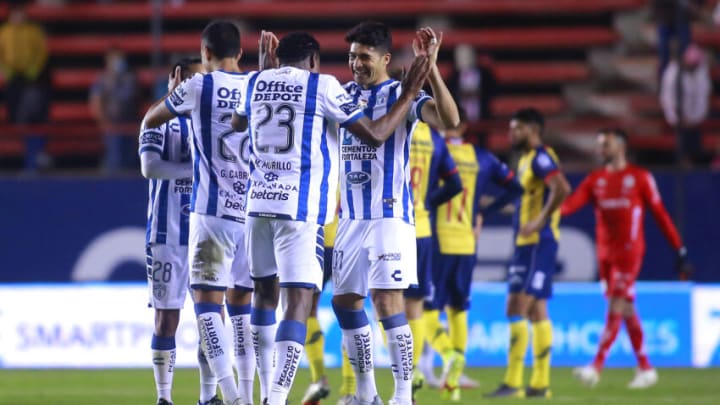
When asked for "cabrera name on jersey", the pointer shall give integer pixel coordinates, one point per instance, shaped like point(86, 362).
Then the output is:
point(168, 210)
point(375, 182)
point(292, 117)
point(220, 155)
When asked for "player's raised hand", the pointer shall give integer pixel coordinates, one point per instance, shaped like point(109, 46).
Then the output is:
point(416, 75)
point(174, 79)
point(266, 50)
point(427, 42)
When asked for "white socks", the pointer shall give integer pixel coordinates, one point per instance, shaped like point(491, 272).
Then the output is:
point(163, 357)
point(400, 349)
point(243, 349)
point(215, 345)
point(263, 327)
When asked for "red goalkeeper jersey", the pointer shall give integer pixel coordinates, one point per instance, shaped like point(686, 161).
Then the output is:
point(619, 199)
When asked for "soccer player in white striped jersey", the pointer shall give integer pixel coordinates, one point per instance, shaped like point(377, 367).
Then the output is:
point(165, 162)
point(375, 247)
point(220, 175)
point(292, 112)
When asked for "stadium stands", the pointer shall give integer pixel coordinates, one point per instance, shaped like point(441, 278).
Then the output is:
point(540, 48)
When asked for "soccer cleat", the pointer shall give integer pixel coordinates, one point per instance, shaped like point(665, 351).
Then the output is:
point(644, 379)
point(212, 401)
point(355, 401)
point(451, 393)
point(163, 401)
point(468, 383)
point(345, 400)
point(418, 382)
point(316, 391)
point(531, 392)
point(506, 391)
point(587, 375)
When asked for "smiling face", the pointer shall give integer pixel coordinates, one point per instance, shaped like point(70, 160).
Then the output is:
point(368, 64)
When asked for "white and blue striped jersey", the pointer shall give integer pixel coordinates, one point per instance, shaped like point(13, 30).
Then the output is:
point(375, 182)
point(168, 212)
point(220, 155)
point(292, 115)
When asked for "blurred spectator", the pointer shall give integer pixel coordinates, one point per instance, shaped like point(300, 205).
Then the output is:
point(23, 60)
point(472, 84)
point(696, 90)
point(665, 13)
point(715, 163)
point(113, 103)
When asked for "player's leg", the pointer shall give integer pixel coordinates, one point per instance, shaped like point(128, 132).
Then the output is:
point(645, 376)
point(517, 311)
point(299, 253)
point(208, 381)
point(350, 279)
point(540, 287)
point(437, 336)
point(414, 300)
point(167, 279)
point(259, 248)
point(211, 253)
point(315, 343)
point(393, 268)
point(458, 304)
point(238, 300)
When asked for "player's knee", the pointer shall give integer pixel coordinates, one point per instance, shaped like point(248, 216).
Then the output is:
point(166, 322)
point(388, 302)
point(516, 306)
point(266, 294)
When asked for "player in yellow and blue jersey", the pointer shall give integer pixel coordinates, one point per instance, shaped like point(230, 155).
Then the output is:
point(430, 161)
point(454, 226)
point(537, 221)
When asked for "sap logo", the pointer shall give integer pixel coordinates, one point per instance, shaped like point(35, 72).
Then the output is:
point(706, 326)
point(357, 177)
point(228, 98)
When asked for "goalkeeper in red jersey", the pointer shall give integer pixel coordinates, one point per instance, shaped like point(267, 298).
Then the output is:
point(620, 192)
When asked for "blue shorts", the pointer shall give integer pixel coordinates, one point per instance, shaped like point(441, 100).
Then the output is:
point(532, 269)
point(452, 280)
point(425, 249)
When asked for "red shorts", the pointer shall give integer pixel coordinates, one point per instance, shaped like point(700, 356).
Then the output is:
point(619, 277)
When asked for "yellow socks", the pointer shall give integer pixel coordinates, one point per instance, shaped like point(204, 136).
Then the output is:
point(516, 354)
point(417, 327)
point(349, 384)
point(435, 333)
point(315, 347)
point(458, 323)
point(542, 347)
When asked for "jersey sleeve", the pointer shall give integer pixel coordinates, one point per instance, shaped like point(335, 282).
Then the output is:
point(338, 105)
point(245, 89)
point(185, 96)
point(415, 112)
point(152, 139)
point(544, 165)
point(652, 198)
point(501, 173)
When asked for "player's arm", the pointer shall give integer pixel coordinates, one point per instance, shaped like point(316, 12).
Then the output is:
point(652, 199)
point(376, 132)
point(267, 59)
point(452, 184)
point(154, 167)
point(581, 196)
point(440, 112)
point(179, 101)
point(512, 190)
point(547, 169)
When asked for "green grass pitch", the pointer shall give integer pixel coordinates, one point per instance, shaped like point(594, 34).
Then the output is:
point(86, 387)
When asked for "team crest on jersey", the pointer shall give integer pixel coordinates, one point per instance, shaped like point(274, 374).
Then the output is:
point(239, 187)
point(271, 176)
point(629, 181)
point(159, 291)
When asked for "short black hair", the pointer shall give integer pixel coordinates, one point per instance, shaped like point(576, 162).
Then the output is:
point(184, 65)
point(222, 38)
point(371, 33)
point(616, 131)
point(530, 115)
point(296, 46)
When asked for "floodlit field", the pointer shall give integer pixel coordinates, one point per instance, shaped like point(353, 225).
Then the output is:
point(86, 387)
